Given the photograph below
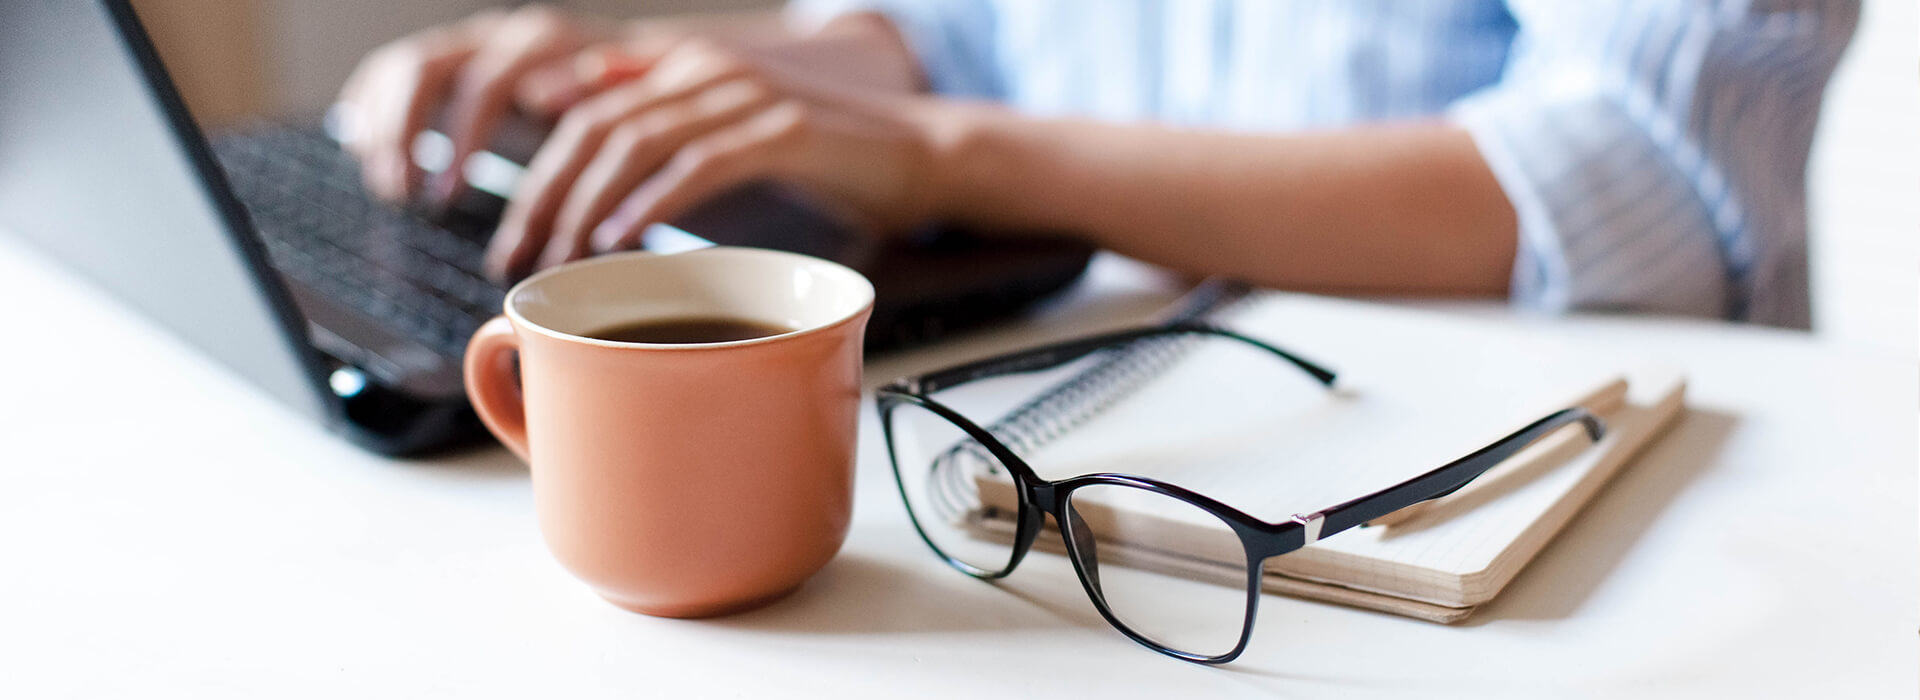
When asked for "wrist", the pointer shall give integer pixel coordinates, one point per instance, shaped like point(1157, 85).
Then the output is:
point(957, 137)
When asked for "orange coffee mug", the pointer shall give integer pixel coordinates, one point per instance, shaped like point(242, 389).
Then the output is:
point(682, 479)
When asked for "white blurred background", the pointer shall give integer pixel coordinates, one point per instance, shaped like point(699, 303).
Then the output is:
point(240, 57)
point(1865, 183)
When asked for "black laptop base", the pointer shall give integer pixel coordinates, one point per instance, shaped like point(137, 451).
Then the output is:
point(391, 296)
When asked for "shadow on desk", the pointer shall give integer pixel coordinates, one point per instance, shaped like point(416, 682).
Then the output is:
point(858, 594)
point(1560, 580)
point(485, 461)
point(1557, 583)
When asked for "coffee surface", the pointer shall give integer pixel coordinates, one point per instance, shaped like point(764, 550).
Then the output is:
point(697, 329)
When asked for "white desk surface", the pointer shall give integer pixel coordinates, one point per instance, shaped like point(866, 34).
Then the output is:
point(165, 529)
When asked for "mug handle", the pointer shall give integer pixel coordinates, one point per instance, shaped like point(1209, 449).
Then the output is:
point(491, 385)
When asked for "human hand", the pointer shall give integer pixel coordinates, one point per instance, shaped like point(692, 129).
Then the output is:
point(703, 119)
point(476, 69)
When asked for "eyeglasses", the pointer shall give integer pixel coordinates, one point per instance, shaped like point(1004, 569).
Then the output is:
point(981, 507)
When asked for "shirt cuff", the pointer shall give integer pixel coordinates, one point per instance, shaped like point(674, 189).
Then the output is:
point(951, 39)
point(1605, 220)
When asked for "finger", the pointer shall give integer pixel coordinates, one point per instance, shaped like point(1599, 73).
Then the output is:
point(554, 86)
point(390, 93)
point(758, 147)
point(393, 107)
point(549, 89)
point(528, 221)
point(636, 149)
point(483, 87)
point(406, 108)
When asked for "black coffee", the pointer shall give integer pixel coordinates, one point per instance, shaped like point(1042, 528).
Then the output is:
point(697, 329)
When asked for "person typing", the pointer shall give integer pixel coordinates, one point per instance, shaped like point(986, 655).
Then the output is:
point(1567, 156)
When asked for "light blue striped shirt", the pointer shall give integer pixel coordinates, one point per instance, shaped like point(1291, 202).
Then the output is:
point(1655, 150)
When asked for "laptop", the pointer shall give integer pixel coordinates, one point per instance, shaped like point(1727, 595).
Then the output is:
point(260, 247)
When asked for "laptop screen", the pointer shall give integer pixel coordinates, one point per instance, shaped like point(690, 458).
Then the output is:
point(99, 169)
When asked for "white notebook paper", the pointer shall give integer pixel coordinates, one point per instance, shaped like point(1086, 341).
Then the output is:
point(1416, 390)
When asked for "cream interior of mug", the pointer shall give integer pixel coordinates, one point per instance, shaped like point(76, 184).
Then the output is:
point(775, 287)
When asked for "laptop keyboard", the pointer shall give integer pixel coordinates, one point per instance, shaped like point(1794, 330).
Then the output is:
point(419, 279)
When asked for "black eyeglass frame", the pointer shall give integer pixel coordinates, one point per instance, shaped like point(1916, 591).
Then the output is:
point(1039, 497)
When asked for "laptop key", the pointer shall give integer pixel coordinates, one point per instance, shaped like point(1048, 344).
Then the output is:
point(413, 277)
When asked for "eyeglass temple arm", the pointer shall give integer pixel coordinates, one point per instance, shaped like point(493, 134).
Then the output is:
point(1447, 479)
point(1050, 356)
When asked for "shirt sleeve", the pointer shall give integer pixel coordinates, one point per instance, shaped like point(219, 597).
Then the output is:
point(1656, 152)
point(953, 40)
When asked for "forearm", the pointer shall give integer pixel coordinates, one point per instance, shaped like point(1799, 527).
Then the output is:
point(1404, 208)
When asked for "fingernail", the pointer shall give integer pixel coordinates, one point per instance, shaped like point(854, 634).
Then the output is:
point(606, 237)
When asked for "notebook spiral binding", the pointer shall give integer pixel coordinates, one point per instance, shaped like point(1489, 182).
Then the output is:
point(1067, 405)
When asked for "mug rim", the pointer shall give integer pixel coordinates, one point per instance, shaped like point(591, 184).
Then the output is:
point(512, 312)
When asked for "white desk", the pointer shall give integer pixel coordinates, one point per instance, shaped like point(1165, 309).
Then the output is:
point(167, 530)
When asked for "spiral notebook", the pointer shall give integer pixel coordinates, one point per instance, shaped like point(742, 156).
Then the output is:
point(1416, 390)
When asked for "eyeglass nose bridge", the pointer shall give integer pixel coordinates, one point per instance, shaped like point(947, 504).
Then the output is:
point(1045, 497)
point(1037, 501)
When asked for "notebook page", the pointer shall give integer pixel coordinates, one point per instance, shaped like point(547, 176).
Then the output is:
point(1416, 391)
point(1463, 551)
